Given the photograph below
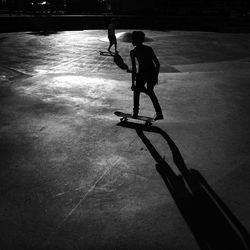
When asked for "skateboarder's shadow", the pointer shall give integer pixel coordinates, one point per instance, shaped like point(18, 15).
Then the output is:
point(213, 225)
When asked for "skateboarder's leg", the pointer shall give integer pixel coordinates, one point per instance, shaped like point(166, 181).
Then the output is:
point(150, 92)
point(139, 87)
point(155, 102)
point(110, 43)
point(115, 43)
point(136, 101)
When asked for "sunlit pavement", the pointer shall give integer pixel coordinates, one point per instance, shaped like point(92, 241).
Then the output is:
point(72, 177)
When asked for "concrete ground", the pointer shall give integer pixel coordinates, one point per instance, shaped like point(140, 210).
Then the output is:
point(73, 177)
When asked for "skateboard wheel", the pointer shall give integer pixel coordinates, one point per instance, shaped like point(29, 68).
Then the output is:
point(123, 119)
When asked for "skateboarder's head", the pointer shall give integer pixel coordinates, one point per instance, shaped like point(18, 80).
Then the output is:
point(137, 37)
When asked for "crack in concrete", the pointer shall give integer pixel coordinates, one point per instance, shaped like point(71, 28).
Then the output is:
point(108, 170)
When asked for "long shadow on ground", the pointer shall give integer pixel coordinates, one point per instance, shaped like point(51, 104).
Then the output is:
point(212, 223)
point(118, 60)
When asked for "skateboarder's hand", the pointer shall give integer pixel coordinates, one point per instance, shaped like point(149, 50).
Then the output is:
point(157, 78)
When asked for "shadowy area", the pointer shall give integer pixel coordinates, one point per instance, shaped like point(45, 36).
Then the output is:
point(120, 63)
point(3, 38)
point(30, 211)
point(43, 32)
point(5, 91)
point(118, 60)
point(23, 202)
point(208, 23)
point(127, 38)
point(212, 223)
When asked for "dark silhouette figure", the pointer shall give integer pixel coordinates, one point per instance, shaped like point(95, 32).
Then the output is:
point(213, 225)
point(111, 35)
point(148, 70)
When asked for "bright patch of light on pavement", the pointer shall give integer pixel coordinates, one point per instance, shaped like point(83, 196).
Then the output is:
point(105, 39)
point(69, 88)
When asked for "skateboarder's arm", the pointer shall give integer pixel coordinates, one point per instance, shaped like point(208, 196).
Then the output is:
point(156, 62)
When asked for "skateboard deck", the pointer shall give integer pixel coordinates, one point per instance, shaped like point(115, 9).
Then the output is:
point(106, 53)
point(126, 116)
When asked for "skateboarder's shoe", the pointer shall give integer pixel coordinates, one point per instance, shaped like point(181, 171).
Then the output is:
point(135, 115)
point(158, 117)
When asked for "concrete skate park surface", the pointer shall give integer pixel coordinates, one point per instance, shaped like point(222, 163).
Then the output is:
point(73, 177)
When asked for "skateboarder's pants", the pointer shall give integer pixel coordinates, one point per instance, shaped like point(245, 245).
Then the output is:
point(150, 92)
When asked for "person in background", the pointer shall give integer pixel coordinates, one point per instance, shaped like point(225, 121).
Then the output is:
point(111, 36)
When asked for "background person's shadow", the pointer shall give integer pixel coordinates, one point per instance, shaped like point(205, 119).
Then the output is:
point(212, 223)
point(118, 60)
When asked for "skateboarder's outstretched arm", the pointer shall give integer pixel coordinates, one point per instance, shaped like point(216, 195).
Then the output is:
point(157, 65)
point(156, 62)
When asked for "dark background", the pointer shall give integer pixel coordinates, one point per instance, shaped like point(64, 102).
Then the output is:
point(212, 15)
point(174, 7)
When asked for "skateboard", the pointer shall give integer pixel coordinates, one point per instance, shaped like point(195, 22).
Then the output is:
point(106, 53)
point(125, 116)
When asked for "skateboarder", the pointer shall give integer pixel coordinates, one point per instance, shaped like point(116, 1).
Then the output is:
point(111, 35)
point(148, 70)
